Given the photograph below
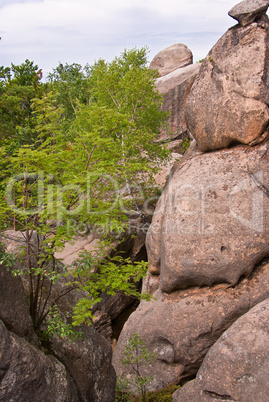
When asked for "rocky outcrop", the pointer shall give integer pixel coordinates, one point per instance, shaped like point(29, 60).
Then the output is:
point(228, 102)
point(88, 359)
point(248, 11)
point(236, 368)
point(208, 244)
point(181, 327)
point(27, 374)
point(171, 58)
point(211, 222)
point(176, 87)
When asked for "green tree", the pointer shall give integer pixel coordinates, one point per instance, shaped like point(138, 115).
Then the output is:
point(127, 85)
point(19, 85)
point(26, 74)
point(70, 82)
point(137, 357)
point(96, 167)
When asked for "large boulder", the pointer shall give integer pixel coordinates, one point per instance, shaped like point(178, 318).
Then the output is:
point(27, 374)
point(228, 102)
point(172, 58)
point(211, 222)
point(236, 368)
point(176, 87)
point(248, 10)
point(182, 326)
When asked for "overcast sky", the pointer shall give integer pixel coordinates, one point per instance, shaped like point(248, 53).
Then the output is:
point(82, 31)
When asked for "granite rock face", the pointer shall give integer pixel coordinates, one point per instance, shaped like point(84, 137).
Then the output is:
point(208, 253)
point(172, 58)
point(237, 367)
point(211, 223)
point(228, 102)
point(248, 10)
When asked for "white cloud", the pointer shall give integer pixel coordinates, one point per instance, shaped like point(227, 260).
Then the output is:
point(48, 31)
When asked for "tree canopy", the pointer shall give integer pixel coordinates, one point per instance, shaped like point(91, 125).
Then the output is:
point(79, 148)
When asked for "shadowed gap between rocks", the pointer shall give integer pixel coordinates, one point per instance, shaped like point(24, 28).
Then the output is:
point(118, 323)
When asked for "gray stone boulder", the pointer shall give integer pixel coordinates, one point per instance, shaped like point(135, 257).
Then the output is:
point(211, 222)
point(228, 102)
point(182, 326)
point(171, 58)
point(248, 10)
point(236, 368)
point(27, 374)
point(176, 87)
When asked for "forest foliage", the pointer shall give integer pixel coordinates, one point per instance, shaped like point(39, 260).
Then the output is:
point(78, 149)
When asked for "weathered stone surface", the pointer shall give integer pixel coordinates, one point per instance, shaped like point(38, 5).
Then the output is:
point(182, 326)
point(236, 368)
point(229, 99)
point(172, 58)
point(176, 87)
point(14, 309)
point(177, 77)
point(164, 172)
point(102, 324)
point(27, 374)
point(88, 361)
point(71, 251)
point(211, 222)
point(248, 10)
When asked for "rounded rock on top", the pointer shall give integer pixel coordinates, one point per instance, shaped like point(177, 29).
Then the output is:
point(248, 10)
point(172, 58)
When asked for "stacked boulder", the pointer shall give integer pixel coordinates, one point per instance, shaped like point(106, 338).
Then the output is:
point(228, 101)
point(208, 245)
point(176, 76)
